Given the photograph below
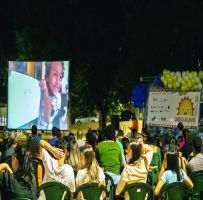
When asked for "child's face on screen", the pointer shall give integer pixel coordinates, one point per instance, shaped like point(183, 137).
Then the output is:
point(55, 78)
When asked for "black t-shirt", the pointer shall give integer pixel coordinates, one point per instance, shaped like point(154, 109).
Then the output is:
point(11, 188)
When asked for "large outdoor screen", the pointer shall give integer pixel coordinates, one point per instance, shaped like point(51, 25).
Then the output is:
point(38, 95)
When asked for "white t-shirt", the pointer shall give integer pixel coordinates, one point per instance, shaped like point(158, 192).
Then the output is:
point(81, 143)
point(53, 172)
point(82, 173)
point(170, 176)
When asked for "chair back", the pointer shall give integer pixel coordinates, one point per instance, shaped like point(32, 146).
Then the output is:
point(109, 186)
point(37, 162)
point(54, 190)
point(137, 191)
point(176, 190)
point(197, 179)
point(91, 191)
point(20, 198)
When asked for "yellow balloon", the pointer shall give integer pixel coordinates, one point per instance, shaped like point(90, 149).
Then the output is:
point(165, 71)
point(183, 88)
point(170, 80)
point(183, 82)
point(189, 84)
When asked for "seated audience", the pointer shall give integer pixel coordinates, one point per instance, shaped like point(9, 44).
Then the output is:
point(91, 171)
point(173, 173)
point(185, 144)
point(80, 140)
point(20, 180)
point(156, 162)
point(32, 146)
point(180, 128)
point(91, 139)
point(140, 156)
point(56, 135)
point(56, 169)
point(73, 155)
point(173, 147)
point(196, 163)
point(125, 141)
point(13, 144)
point(109, 154)
point(119, 138)
point(101, 136)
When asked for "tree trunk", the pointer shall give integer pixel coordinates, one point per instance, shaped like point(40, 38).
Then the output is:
point(102, 120)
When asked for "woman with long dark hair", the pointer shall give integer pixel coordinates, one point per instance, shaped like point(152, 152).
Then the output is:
point(173, 173)
point(140, 156)
point(20, 180)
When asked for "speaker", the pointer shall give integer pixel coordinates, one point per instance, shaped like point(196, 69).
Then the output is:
point(115, 121)
point(126, 115)
point(201, 111)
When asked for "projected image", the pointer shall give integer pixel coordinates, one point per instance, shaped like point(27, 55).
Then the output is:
point(38, 95)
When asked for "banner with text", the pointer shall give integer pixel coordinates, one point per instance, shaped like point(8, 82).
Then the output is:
point(167, 109)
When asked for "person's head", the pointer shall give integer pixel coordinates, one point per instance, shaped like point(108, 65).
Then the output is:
point(87, 157)
point(79, 135)
point(34, 130)
point(125, 142)
point(55, 132)
point(74, 156)
point(152, 138)
point(134, 151)
point(197, 144)
point(189, 137)
point(173, 163)
point(180, 126)
point(32, 146)
point(109, 132)
point(120, 134)
point(22, 165)
point(54, 75)
point(101, 136)
point(91, 139)
point(61, 144)
point(89, 161)
point(134, 132)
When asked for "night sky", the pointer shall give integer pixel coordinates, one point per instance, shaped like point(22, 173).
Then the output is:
point(115, 39)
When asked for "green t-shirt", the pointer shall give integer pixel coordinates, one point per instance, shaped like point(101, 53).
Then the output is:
point(109, 155)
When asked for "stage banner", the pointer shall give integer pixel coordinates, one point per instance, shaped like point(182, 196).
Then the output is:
point(167, 109)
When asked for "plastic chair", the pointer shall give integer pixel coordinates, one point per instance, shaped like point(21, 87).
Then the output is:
point(137, 191)
point(54, 190)
point(197, 179)
point(175, 191)
point(91, 191)
point(20, 198)
point(36, 162)
point(110, 186)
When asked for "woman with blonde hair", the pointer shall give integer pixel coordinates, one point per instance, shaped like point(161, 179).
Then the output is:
point(91, 171)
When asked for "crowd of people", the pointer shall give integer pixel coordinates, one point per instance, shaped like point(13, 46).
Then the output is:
point(73, 160)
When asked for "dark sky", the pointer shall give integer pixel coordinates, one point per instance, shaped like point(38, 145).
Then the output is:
point(141, 37)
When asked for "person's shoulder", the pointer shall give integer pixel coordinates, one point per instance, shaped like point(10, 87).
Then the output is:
point(68, 167)
point(167, 172)
point(81, 172)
